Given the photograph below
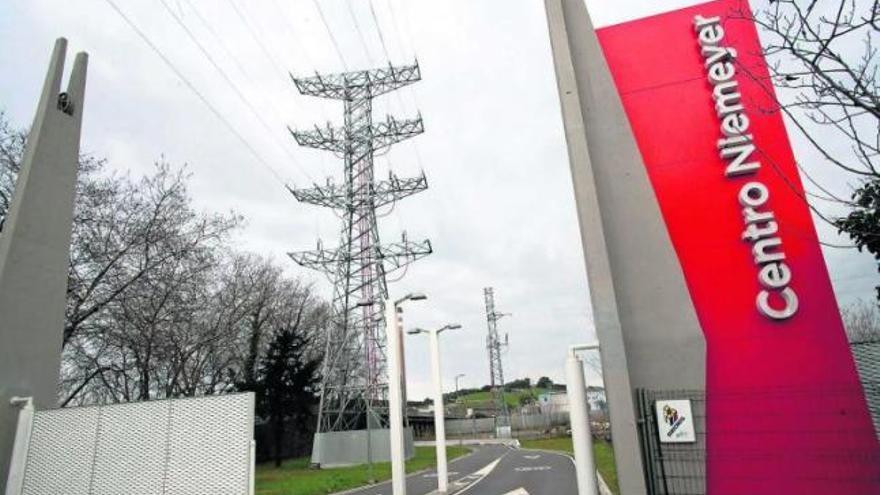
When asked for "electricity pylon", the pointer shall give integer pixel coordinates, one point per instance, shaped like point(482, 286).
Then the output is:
point(496, 372)
point(354, 384)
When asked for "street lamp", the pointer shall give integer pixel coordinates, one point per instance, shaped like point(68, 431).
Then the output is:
point(412, 296)
point(439, 414)
point(456, 382)
point(394, 333)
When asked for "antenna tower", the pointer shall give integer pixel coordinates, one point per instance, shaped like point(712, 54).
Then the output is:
point(496, 373)
point(354, 384)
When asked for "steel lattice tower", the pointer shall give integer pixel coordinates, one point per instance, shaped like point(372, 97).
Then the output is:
point(496, 372)
point(354, 384)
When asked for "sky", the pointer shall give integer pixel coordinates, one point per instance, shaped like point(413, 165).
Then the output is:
point(499, 210)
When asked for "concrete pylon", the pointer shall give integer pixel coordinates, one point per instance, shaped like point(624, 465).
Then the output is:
point(35, 249)
point(645, 321)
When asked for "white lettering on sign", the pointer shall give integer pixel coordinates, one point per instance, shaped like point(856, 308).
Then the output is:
point(776, 299)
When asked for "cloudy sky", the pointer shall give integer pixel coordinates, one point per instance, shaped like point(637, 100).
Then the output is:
point(499, 211)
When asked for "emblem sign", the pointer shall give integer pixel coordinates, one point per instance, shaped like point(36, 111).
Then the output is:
point(675, 421)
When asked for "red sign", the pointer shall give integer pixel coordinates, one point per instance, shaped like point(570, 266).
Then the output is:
point(786, 413)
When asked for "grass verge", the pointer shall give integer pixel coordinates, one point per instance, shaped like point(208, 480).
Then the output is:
point(295, 478)
point(602, 450)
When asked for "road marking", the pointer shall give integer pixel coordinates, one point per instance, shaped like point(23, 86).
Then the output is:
point(523, 469)
point(471, 480)
point(518, 491)
point(532, 457)
point(434, 475)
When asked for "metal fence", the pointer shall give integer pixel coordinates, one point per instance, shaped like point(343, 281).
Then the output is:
point(484, 427)
point(680, 468)
point(672, 468)
point(180, 446)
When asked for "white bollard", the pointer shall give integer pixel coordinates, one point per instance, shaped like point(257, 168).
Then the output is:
point(580, 426)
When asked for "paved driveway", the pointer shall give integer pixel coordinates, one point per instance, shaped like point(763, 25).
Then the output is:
point(425, 482)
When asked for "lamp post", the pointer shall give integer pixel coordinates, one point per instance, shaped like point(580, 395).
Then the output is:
point(395, 393)
point(456, 382)
point(439, 413)
point(581, 437)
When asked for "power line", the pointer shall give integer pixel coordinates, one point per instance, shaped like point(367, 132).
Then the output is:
point(234, 87)
point(247, 74)
point(302, 49)
point(409, 36)
point(192, 88)
point(379, 30)
point(413, 145)
point(219, 39)
point(397, 30)
point(292, 32)
point(330, 32)
point(253, 34)
point(266, 51)
point(357, 27)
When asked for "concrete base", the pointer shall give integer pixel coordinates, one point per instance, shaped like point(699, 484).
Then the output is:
point(349, 448)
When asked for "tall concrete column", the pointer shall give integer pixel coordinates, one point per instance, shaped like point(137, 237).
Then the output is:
point(645, 320)
point(35, 249)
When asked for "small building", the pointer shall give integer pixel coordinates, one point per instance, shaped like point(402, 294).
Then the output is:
point(557, 401)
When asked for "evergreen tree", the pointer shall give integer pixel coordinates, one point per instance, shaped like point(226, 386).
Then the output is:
point(863, 222)
point(286, 385)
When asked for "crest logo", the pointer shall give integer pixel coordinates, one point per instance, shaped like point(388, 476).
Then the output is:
point(672, 418)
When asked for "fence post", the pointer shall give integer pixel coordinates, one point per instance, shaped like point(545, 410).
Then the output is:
point(253, 480)
point(18, 462)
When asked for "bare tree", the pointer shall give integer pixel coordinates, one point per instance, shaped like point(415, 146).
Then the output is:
point(158, 305)
point(12, 145)
point(824, 66)
point(862, 322)
point(141, 268)
point(11, 150)
point(823, 62)
point(193, 328)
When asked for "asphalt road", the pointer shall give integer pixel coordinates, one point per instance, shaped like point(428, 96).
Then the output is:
point(528, 472)
point(426, 482)
point(516, 472)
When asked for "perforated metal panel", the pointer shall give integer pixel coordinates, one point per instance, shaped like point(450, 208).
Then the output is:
point(131, 446)
point(201, 430)
point(61, 451)
point(867, 356)
point(182, 446)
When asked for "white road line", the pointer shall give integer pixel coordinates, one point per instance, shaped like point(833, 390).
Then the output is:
point(525, 469)
point(479, 475)
point(531, 457)
point(518, 491)
point(604, 489)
